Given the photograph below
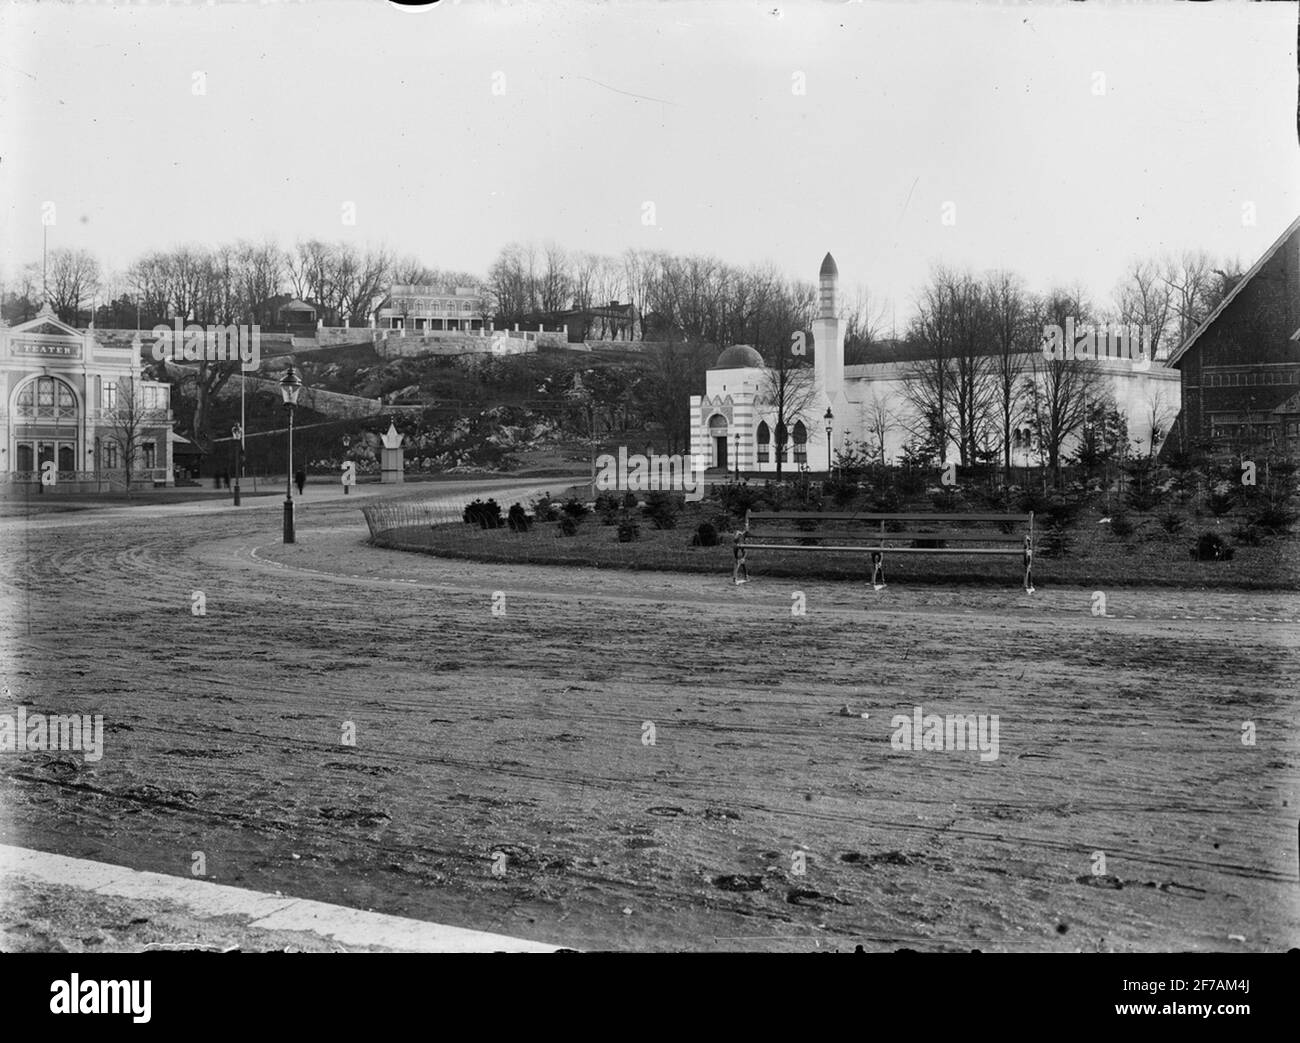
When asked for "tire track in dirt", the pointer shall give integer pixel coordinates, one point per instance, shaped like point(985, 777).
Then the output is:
point(523, 734)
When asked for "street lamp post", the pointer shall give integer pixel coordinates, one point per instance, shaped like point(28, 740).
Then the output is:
point(238, 441)
point(830, 421)
point(737, 454)
point(290, 388)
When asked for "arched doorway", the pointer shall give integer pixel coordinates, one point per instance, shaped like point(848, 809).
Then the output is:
point(718, 436)
point(46, 425)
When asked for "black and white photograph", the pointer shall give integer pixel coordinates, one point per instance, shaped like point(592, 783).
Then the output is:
point(700, 476)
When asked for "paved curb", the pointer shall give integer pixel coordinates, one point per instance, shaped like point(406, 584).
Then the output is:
point(353, 927)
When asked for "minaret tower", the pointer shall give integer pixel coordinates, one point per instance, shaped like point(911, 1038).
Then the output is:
point(828, 334)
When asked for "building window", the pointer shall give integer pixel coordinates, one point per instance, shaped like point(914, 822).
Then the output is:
point(26, 458)
point(800, 443)
point(46, 397)
point(110, 395)
point(150, 454)
point(110, 455)
point(764, 442)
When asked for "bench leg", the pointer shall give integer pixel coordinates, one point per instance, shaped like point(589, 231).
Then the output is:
point(877, 570)
point(739, 569)
point(1029, 567)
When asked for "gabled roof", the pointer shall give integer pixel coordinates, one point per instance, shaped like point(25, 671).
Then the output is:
point(1291, 405)
point(46, 323)
point(1269, 254)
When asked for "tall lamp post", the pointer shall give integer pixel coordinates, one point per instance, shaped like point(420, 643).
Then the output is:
point(830, 421)
point(737, 454)
point(290, 388)
point(237, 433)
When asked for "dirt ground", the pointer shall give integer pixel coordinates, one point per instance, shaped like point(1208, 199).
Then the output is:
point(503, 776)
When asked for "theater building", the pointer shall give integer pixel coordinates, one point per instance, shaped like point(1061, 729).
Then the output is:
point(81, 404)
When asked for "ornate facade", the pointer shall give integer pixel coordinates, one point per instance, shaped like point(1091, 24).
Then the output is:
point(82, 406)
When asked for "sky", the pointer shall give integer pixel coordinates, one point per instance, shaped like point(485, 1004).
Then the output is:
point(1060, 141)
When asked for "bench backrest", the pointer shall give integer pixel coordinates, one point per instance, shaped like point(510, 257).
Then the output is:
point(760, 516)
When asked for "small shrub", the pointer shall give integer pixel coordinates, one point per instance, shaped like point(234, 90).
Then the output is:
point(1250, 535)
point(1170, 521)
point(1144, 497)
point(888, 502)
point(629, 500)
point(1210, 546)
point(1220, 503)
point(946, 501)
point(544, 509)
point(484, 515)
point(574, 508)
point(607, 506)
point(1055, 542)
point(911, 481)
point(518, 519)
point(706, 535)
point(775, 496)
point(1276, 517)
point(1062, 511)
point(628, 529)
point(1121, 525)
point(737, 497)
point(662, 508)
point(1032, 500)
point(841, 490)
point(568, 526)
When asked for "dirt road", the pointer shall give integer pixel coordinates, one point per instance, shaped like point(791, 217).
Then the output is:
point(653, 761)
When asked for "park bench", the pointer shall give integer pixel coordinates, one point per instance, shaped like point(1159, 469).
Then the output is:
point(881, 534)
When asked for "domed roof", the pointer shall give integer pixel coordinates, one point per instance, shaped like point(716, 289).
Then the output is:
point(828, 267)
point(739, 356)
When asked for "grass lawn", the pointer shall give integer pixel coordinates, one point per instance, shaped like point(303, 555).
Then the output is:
point(1095, 557)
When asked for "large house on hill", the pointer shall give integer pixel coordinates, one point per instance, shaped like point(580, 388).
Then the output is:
point(1240, 368)
point(430, 308)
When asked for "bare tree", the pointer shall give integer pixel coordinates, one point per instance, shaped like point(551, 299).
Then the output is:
point(864, 321)
point(1145, 299)
point(787, 387)
point(1013, 337)
point(73, 279)
point(1159, 415)
point(929, 382)
point(130, 422)
point(878, 419)
point(1060, 391)
point(1192, 284)
point(22, 293)
point(555, 283)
